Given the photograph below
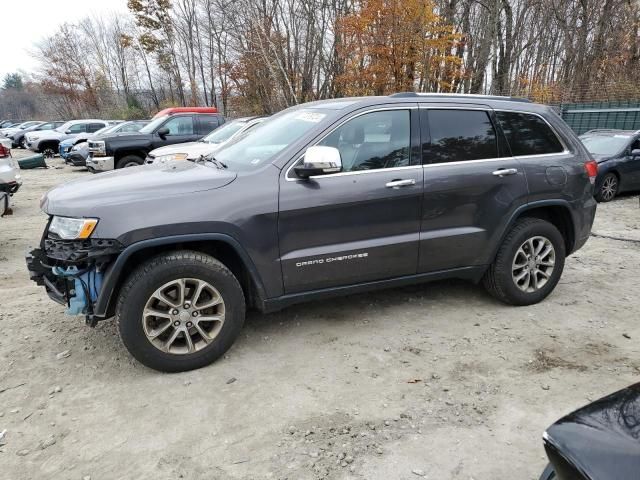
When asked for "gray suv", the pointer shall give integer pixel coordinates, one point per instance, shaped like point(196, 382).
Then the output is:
point(326, 198)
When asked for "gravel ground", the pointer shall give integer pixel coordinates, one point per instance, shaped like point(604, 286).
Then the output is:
point(438, 380)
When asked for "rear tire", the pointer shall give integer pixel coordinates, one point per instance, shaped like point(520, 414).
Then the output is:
point(609, 188)
point(199, 340)
point(129, 161)
point(529, 263)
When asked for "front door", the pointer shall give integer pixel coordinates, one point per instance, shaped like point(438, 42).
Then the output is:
point(472, 185)
point(361, 224)
point(182, 129)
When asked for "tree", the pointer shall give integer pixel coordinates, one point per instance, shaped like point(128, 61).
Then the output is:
point(395, 46)
point(13, 81)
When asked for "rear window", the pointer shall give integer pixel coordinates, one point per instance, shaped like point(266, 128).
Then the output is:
point(528, 134)
point(460, 135)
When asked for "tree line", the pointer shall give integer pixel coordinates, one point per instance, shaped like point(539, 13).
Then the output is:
point(259, 56)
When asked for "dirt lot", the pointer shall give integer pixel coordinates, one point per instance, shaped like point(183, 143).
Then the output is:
point(437, 380)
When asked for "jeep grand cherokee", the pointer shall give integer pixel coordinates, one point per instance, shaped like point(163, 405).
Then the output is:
point(327, 198)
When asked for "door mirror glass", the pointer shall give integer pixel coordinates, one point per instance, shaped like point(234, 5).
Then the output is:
point(319, 160)
point(635, 152)
point(163, 132)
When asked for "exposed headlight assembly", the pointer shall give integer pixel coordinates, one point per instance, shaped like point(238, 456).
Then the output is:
point(68, 228)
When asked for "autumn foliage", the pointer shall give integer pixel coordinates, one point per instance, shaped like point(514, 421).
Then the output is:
point(396, 46)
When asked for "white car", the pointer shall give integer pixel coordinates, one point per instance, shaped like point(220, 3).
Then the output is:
point(47, 141)
point(10, 179)
point(207, 145)
point(7, 132)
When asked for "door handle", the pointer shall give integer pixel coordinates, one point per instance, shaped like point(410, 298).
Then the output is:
point(400, 183)
point(503, 172)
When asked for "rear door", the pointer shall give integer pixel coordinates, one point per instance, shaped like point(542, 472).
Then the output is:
point(363, 223)
point(207, 124)
point(472, 185)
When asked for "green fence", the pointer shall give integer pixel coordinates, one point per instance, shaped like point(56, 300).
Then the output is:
point(582, 117)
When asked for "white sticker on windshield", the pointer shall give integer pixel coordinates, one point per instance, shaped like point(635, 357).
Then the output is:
point(310, 117)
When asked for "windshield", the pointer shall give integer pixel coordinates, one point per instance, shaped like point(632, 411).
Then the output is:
point(274, 135)
point(64, 127)
point(153, 124)
point(609, 145)
point(225, 132)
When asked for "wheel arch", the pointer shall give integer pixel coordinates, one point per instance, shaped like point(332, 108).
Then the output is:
point(556, 212)
point(48, 143)
point(221, 246)
point(121, 153)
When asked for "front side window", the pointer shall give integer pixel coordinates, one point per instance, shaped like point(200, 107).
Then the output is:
point(180, 125)
point(78, 128)
point(460, 135)
point(528, 134)
point(374, 140)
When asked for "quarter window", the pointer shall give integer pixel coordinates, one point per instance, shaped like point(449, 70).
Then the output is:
point(528, 134)
point(460, 135)
point(180, 125)
point(374, 140)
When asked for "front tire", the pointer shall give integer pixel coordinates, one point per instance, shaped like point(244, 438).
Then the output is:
point(180, 311)
point(529, 263)
point(609, 188)
point(129, 161)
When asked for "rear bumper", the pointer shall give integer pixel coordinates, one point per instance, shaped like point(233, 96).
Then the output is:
point(583, 213)
point(100, 164)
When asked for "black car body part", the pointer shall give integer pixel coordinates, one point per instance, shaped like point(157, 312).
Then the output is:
point(600, 441)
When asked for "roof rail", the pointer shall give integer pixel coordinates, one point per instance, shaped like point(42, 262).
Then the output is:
point(456, 95)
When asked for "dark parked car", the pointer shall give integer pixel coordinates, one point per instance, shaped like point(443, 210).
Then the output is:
point(618, 155)
point(598, 442)
point(131, 150)
point(326, 198)
point(18, 139)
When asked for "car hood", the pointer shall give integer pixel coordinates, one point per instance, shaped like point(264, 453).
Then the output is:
point(601, 439)
point(599, 158)
point(81, 197)
point(47, 134)
point(192, 149)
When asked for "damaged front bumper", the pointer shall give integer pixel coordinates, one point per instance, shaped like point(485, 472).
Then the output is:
point(71, 271)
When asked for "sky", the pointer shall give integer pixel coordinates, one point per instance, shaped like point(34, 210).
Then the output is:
point(26, 22)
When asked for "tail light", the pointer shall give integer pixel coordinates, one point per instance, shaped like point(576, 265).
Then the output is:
point(592, 170)
point(4, 151)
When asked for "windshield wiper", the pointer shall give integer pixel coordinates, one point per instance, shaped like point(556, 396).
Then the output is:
point(212, 159)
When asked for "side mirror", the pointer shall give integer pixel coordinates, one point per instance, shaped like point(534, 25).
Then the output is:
point(68, 132)
point(319, 161)
point(635, 152)
point(163, 132)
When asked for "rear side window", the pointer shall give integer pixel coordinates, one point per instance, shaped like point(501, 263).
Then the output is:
point(460, 135)
point(528, 134)
point(94, 127)
point(208, 123)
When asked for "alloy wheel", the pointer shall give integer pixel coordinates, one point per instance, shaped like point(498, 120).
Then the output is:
point(609, 188)
point(183, 316)
point(48, 153)
point(533, 264)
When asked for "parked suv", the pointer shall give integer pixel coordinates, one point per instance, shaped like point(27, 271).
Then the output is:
point(326, 198)
point(47, 142)
point(131, 150)
point(18, 139)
